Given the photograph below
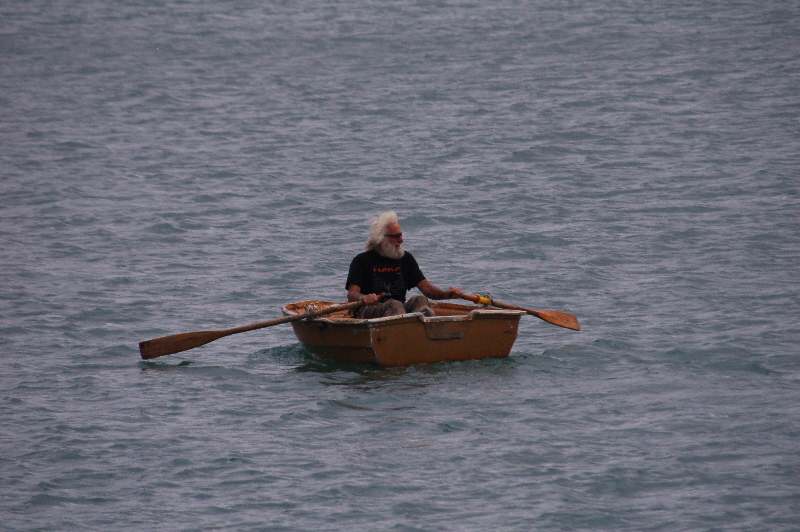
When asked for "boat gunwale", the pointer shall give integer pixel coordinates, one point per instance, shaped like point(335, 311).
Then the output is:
point(369, 322)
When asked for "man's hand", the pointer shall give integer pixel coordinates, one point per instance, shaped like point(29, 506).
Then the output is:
point(453, 293)
point(354, 294)
point(370, 299)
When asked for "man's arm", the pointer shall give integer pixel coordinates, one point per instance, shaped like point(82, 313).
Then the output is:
point(354, 294)
point(432, 292)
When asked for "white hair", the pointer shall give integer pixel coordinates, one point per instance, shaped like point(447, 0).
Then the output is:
point(377, 230)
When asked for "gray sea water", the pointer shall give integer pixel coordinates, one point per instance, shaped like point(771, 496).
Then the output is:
point(170, 166)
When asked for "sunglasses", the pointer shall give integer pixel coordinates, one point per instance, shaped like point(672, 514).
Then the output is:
point(395, 236)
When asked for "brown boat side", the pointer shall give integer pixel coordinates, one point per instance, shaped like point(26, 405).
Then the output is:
point(458, 332)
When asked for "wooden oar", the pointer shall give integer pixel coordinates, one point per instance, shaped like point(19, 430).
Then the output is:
point(562, 319)
point(168, 345)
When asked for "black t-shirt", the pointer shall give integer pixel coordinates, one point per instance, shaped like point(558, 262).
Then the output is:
point(374, 273)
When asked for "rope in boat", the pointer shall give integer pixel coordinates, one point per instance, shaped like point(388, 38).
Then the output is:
point(310, 310)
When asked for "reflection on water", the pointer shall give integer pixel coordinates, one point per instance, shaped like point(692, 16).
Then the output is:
point(148, 365)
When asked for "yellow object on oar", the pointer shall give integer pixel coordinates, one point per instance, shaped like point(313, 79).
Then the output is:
point(562, 319)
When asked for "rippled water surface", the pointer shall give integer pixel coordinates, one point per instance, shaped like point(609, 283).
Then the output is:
point(176, 166)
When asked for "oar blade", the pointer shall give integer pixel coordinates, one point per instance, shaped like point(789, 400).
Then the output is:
point(562, 319)
point(169, 345)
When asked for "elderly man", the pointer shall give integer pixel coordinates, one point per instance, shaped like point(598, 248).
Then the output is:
point(385, 268)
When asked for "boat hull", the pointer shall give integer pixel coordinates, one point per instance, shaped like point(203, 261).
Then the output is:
point(456, 333)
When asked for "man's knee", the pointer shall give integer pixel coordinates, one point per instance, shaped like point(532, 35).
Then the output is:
point(393, 308)
point(419, 303)
point(381, 310)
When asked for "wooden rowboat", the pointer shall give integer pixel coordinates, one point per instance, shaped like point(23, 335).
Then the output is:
point(457, 332)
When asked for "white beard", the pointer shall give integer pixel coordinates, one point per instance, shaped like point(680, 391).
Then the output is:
point(391, 251)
